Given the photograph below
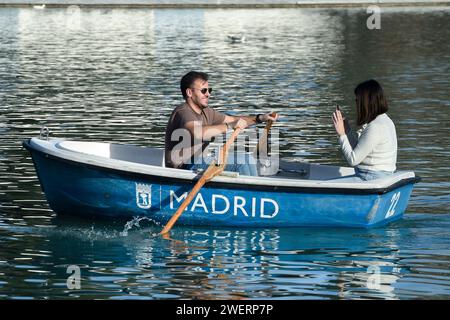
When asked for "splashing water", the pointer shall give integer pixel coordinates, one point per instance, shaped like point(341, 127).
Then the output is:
point(135, 222)
point(80, 232)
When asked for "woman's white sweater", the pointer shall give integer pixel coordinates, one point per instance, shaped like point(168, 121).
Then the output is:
point(375, 146)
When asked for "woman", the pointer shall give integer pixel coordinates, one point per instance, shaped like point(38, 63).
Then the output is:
point(373, 152)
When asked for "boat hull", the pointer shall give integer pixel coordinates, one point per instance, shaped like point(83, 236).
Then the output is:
point(79, 189)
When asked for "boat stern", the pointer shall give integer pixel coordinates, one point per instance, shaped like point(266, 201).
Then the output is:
point(390, 206)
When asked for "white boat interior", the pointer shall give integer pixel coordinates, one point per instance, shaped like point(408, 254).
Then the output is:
point(155, 157)
point(148, 160)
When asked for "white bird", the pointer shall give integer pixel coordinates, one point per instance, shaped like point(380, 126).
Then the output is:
point(39, 7)
point(236, 39)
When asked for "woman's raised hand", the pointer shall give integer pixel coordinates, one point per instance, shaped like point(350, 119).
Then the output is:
point(338, 122)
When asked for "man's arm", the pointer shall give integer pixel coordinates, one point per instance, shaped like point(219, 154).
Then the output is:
point(205, 133)
point(250, 120)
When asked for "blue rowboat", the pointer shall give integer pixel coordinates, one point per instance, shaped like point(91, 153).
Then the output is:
point(116, 180)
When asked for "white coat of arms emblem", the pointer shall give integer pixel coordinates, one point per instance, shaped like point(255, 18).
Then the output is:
point(144, 195)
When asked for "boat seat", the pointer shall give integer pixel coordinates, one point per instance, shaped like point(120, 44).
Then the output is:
point(150, 156)
point(136, 154)
point(327, 172)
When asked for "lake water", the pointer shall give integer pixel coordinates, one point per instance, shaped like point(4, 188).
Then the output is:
point(113, 75)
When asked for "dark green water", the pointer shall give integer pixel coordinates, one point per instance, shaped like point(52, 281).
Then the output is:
point(113, 75)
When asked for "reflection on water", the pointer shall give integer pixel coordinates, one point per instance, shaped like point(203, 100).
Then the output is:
point(113, 75)
point(401, 261)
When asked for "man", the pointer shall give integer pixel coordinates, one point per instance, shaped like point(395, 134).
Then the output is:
point(192, 125)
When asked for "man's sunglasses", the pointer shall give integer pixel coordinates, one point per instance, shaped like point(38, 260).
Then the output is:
point(204, 90)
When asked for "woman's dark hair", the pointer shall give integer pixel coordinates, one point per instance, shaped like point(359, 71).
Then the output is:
point(189, 78)
point(370, 101)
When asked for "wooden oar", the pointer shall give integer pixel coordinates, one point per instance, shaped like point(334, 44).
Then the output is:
point(212, 171)
point(262, 142)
